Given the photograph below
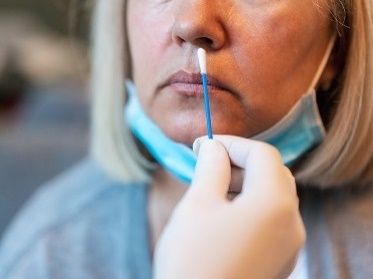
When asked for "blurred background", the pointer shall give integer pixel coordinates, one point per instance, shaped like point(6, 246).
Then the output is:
point(44, 101)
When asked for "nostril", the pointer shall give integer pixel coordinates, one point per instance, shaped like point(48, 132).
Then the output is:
point(197, 31)
point(204, 42)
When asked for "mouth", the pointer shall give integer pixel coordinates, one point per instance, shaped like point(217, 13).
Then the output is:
point(190, 85)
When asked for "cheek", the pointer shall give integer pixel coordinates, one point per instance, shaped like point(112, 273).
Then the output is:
point(148, 31)
point(271, 53)
point(272, 40)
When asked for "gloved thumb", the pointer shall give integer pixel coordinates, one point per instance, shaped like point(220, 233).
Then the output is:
point(213, 169)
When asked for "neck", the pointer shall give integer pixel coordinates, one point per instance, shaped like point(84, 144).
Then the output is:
point(165, 193)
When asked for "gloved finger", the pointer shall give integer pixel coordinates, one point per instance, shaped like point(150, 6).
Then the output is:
point(213, 171)
point(291, 180)
point(237, 173)
point(237, 177)
point(262, 162)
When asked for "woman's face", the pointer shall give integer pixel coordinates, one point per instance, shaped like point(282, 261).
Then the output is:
point(261, 55)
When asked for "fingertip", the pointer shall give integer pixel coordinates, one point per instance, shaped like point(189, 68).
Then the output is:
point(212, 151)
point(197, 144)
point(212, 173)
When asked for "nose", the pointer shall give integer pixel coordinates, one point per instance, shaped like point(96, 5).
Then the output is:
point(199, 22)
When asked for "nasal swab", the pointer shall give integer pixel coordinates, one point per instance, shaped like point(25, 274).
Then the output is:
point(203, 68)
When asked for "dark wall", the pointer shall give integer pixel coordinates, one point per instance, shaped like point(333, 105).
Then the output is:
point(67, 17)
point(37, 114)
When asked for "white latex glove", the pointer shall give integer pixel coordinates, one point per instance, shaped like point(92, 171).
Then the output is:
point(257, 235)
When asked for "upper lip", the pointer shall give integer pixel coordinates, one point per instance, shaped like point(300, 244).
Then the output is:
point(195, 78)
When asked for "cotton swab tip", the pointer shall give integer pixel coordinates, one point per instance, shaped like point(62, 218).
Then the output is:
point(202, 60)
point(202, 64)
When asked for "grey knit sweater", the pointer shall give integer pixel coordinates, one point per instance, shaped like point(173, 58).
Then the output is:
point(86, 225)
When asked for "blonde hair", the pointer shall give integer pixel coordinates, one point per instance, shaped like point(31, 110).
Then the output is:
point(345, 156)
point(111, 141)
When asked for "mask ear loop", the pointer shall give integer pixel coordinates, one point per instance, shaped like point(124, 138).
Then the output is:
point(323, 63)
point(316, 79)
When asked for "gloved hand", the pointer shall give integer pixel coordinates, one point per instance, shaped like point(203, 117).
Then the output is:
point(256, 235)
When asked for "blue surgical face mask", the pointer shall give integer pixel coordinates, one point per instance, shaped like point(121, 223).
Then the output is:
point(294, 135)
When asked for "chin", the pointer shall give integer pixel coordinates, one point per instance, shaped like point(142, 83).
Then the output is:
point(187, 134)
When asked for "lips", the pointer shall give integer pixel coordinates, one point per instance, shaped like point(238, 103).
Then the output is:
point(190, 84)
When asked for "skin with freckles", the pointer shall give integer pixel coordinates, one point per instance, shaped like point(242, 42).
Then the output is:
point(262, 54)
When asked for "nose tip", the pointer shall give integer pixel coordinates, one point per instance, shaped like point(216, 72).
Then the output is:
point(199, 26)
